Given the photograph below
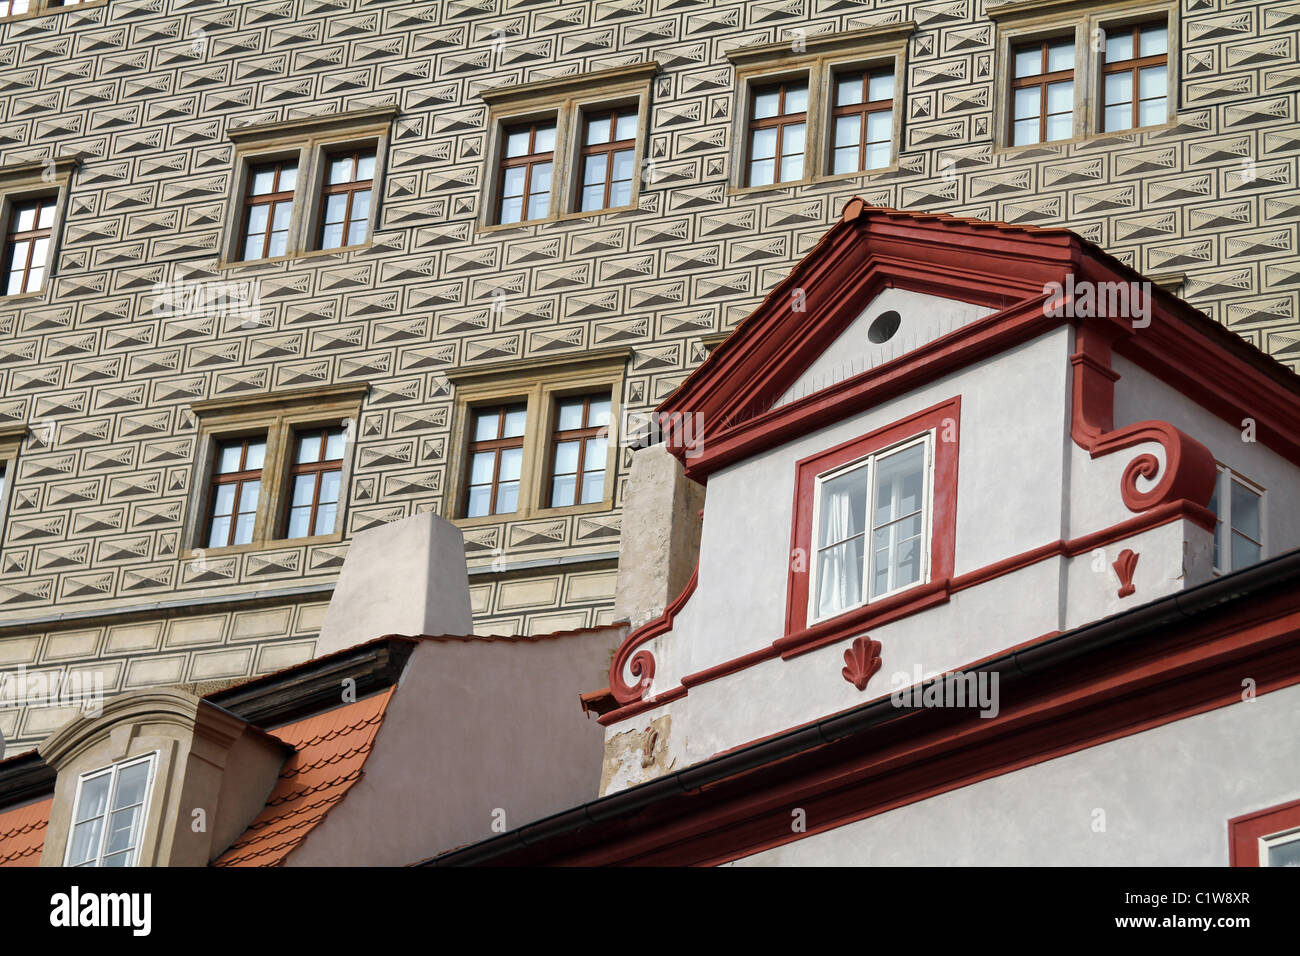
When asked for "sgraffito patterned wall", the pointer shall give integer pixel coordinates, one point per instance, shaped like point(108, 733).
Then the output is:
point(146, 91)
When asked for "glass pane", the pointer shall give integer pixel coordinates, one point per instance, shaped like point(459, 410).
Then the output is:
point(366, 167)
point(545, 141)
point(626, 128)
point(26, 218)
point(620, 194)
point(1024, 132)
point(1027, 102)
point(256, 455)
point(796, 99)
point(880, 562)
point(563, 488)
point(907, 563)
point(243, 529)
point(288, 177)
point(566, 458)
point(279, 242)
point(899, 484)
point(593, 198)
point(94, 797)
point(340, 170)
point(792, 142)
point(848, 130)
point(1060, 56)
point(14, 285)
point(623, 165)
point(1244, 552)
point(877, 155)
point(511, 460)
point(512, 182)
point(766, 103)
point(1060, 97)
point(357, 232)
point(334, 445)
point(121, 830)
point(593, 487)
point(40, 248)
point(326, 518)
point(1119, 88)
point(308, 448)
point(848, 90)
point(598, 414)
point(257, 218)
point(486, 424)
point(280, 218)
point(880, 126)
point(839, 577)
point(329, 486)
point(762, 144)
point(219, 534)
point(1119, 45)
point(262, 181)
point(1029, 61)
point(298, 522)
point(507, 497)
point(594, 169)
point(1060, 126)
point(1152, 82)
point(228, 458)
point(47, 216)
point(1284, 854)
point(480, 469)
point(304, 487)
point(598, 131)
point(517, 143)
point(224, 500)
point(1153, 112)
point(514, 426)
point(792, 168)
point(570, 414)
point(512, 210)
point(842, 507)
point(595, 454)
point(336, 208)
point(85, 841)
point(248, 495)
point(332, 236)
point(253, 247)
point(1119, 117)
point(762, 172)
point(117, 859)
point(130, 785)
point(1153, 41)
point(538, 205)
point(1245, 511)
point(477, 505)
point(880, 87)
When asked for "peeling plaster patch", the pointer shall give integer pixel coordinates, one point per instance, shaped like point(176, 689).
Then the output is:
point(636, 756)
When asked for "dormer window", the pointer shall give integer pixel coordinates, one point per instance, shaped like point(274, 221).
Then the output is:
point(872, 519)
point(108, 818)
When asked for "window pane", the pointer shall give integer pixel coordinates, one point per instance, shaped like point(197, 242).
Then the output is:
point(326, 518)
point(598, 131)
point(1153, 112)
point(507, 497)
point(848, 130)
point(485, 425)
point(40, 248)
point(881, 87)
point(792, 142)
point(595, 454)
point(279, 243)
point(1060, 97)
point(792, 168)
point(1029, 61)
point(1027, 103)
point(1245, 511)
point(538, 205)
point(907, 563)
point(1119, 88)
point(900, 480)
point(512, 182)
point(1024, 132)
point(357, 232)
point(340, 170)
point(304, 487)
point(94, 797)
point(762, 144)
point(762, 172)
point(594, 169)
point(842, 507)
point(880, 562)
point(570, 414)
point(848, 90)
point(512, 210)
point(288, 177)
point(1153, 41)
point(256, 455)
point(623, 165)
point(839, 577)
point(593, 198)
point(243, 529)
point(308, 448)
point(26, 217)
point(130, 785)
point(1119, 117)
point(121, 830)
point(1284, 854)
point(228, 458)
point(47, 216)
point(334, 445)
point(1119, 45)
point(224, 500)
point(514, 426)
point(598, 415)
point(1152, 82)
point(626, 128)
point(880, 126)
point(366, 167)
point(477, 505)
point(298, 522)
point(280, 218)
point(796, 99)
point(248, 495)
point(545, 141)
point(563, 490)
point(1060, 56)
point(480, 469)
point(329, 487)
point(1060, 126)
point(261, 181)
point(1244, 552)
point(877, 155)
point(517, 142)
point(219, 535)
point(511, 460)
point(85, 841)
point(766, 103)
point(336, 208)
point(566, 457)
point(620, 194)
point(593, 487)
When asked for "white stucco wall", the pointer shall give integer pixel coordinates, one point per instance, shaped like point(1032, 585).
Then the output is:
point(1167, 795)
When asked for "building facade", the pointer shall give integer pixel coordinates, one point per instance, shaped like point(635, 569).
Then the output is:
point(370, 224)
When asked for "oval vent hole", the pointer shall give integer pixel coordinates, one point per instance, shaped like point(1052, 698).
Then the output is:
point(884, 327)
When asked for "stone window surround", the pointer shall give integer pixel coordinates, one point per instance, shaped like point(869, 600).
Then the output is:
point(278, 415)
point(45, 8)
point(538, 383)
point(11, 439)
point(1027, 20)
point(567, 98)
point(309, 139)
point(37, 178)
point(821, 58)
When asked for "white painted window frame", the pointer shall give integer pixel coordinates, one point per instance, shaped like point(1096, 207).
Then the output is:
point(1266, 843)
point(927, 518)
point(115, 770)
point(1223, 489)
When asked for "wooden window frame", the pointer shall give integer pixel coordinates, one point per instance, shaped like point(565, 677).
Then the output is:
point(529, 160)
point(1133, 65)
point(778, 122)
point(271, 199)
point(496, 446)
point(349, 188)
point(608, 148)
point(1042, 80)
point(579, 435)
point(239, 479)
point(861, 110)
point(318, 468)
point(12, 236)
point(1224, 479)
point(280, 417)
point(114, 771)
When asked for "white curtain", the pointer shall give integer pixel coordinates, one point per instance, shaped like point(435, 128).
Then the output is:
point(839, 578)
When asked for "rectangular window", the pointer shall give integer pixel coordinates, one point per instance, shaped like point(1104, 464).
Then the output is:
point(268, 206)
point(1135, 76)
point(496, 455)
point(872, 526)
point(862, 121)
point(778, 126)
point(236, 486)
point(579, 446)
point(348, 184)
point(1280, 849)
point(27, 244)
point(10, 8)
point(608, 160)
point(1042, 92)
point(314, 479)
point(1238, 505)
point(527, 162)
point(109, 813)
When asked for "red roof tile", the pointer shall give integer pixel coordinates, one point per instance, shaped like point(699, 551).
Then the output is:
point(22, 833)
point(330, 751)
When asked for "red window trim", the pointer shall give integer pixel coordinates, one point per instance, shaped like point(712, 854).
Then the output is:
point(1244, 832)
point(944, 419)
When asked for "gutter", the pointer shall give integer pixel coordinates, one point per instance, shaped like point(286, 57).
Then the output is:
point(1215, 595)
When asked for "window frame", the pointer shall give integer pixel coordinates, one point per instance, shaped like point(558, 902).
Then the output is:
point(1135, 66)
point(295, 469)
point(476, 446)
point(823, 59)
point(869, 461)
point(312, 141)
point(27, 181)
point(608, 148)
point(237, 478)
point(38, 8)
point(323, 191)
point(582, 436)
point(528, 161)
point(779, 122)
point(1251, 834)
point(272, 199)
point(1058, 18)
point(1042, 80)
point(1224, 478)
point(115, 769)
point(943, 421)
point(862, 110)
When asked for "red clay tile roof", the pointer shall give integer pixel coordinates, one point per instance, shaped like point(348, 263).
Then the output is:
point(330, 751)
point(22, 833)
